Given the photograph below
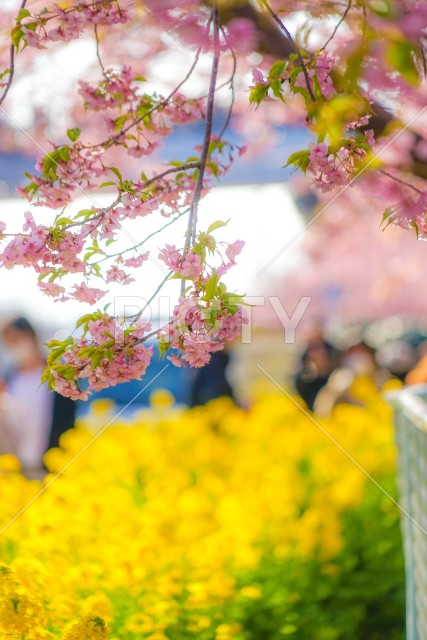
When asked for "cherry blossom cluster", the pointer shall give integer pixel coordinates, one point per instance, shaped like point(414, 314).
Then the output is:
point(207, 316)
point(136, 120)
point(55, 252)
point(67, 171)
point(330, 167)
point(107, 354)
point(198, 329)
point(65, 24)
point(203, 321)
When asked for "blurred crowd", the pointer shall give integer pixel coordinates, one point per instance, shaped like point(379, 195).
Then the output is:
point(32, 419)
point(328, 368)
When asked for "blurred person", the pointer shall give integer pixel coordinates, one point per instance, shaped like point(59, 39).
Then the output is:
point(399, 357)
point(317, 362)
point(210, 382)
point(359, 360)
point(31, 418)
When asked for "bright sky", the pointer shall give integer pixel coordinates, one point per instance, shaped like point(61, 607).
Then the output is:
point(264, 216)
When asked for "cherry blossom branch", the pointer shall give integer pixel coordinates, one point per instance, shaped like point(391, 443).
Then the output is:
point(402, 182)
point(139, 244)
point(78, 7)
point(291, 40)
point(101, 214)
point(11, 65)
point(182, 167)
point(337, 26)
point(111, 141)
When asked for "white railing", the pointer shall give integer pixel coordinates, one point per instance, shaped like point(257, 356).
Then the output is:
point(410, 420)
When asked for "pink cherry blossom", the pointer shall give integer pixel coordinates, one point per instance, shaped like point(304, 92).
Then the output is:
point(191, 266)
point(172, 257)
point(51, 289)
point(137, 261)
point(234, 249)
point(115, 274)
point(85, 294)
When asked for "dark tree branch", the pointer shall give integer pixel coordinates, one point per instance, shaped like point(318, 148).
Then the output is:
point(11, 65)
point(192, 220)
point(288, 35)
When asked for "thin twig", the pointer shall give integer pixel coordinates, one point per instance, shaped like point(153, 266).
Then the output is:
point(139, 244)
point(403, 182)
point(291, 40)
point(137, 315)
point(231, 83)
point(11, 64)
point(98, 55)
point(182, 167)
point(343, 17)
point(101, 214)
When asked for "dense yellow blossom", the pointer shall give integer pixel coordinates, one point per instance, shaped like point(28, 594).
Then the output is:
point(153, 527)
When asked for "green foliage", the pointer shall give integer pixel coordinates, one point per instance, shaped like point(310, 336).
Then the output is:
point(73, 134)
point(360, 595)
point(401, 57)
point(258, 93)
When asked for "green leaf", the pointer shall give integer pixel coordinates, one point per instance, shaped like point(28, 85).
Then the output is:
point(211, 286)
point(216, 225)
point(353, 69)
point(97, 359)
point(56, 354)
point(383, 8)
point(109, 183)
point(222, 289)
point(277, 69)
point(400, 56)
point(85, 213)
point(84, 320)
point(387, 218)
point(258, 93)
point(64, 154)
point(49, 166)
point(73, 134)
point(16, 36)
point(23, 13)
point(298, 157)
point(163, 348)
point(63, 221)
point(116, 173)
point(276, 87)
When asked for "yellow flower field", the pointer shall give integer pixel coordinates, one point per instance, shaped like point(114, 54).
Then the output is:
point(158, 530)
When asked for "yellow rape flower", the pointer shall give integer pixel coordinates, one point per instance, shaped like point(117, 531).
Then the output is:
point(87, 628)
